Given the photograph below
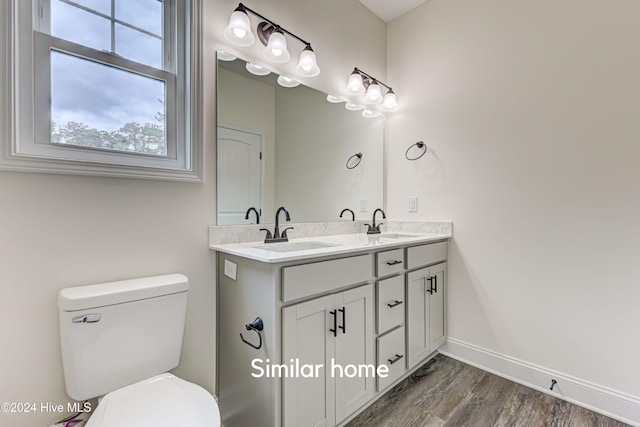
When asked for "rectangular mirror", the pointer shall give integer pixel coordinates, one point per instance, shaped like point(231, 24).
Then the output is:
point(288, 146)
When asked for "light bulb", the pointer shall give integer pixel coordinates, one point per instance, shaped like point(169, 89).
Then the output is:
point(307, 66)
point(374, 95)
point(355, 85)
point(276, 50)
point(238, 31)
point(389, 102)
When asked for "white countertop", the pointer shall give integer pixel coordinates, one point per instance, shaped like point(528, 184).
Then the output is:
point(335, 245)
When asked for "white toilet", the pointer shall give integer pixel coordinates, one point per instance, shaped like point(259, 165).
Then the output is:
point(118, 341)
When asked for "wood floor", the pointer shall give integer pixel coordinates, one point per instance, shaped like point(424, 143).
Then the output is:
point(449, 393)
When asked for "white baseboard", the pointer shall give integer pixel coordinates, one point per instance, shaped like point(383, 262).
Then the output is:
point(614, 404)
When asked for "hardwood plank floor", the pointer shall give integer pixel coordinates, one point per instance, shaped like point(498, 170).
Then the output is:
point(448, 393)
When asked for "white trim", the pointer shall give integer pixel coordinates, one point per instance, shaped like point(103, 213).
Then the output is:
point(612, 403)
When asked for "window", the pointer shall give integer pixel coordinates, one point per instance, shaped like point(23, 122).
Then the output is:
point(104, 87)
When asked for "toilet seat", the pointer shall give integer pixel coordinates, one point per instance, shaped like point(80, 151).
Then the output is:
point(161, 401)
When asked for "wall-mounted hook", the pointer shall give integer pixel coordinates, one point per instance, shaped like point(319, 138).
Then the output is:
point(553, 383)
point(421, 146)
point(257, 326)
point(354, 161)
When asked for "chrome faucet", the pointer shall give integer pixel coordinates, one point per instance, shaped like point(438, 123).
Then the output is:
point(246, 215)
point(277, 236)
point(375, 229)
point(353, 215)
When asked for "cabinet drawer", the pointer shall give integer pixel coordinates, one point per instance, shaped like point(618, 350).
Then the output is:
point(431, 253)
point(389, 262)
point(391, 353)
point(304, 280)
point(390, 303)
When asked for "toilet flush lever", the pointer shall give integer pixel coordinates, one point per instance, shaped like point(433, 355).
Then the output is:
point(87, 318)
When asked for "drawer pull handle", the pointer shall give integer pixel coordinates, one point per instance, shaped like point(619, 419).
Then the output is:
point(398, 357)
point(394, 262)
point(430, 290)
point(334, 313)
point(395, 304)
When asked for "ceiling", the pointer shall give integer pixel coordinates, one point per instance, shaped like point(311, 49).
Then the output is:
point(388, 10)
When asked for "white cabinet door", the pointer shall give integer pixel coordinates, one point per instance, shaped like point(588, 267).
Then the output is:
point(306, 337)
point(426, 323)
point(437, 321)
point(417, 316)
point(354, 348)
point(239, 174)
point(335, 330)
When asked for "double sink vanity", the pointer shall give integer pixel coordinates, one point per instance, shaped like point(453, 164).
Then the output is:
point(313, 330)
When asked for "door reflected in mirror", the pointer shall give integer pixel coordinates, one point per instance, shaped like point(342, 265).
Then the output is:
point(288, 146)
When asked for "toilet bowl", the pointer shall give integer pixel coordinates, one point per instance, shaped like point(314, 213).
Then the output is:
point(118, 341)
point(164, 400)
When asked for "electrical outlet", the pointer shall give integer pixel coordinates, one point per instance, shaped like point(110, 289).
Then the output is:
point(413, 204)
point(363, 205)
point(230, 269)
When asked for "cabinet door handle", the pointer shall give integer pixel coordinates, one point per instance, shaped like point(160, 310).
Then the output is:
point(395, 304)
point(430, 290)
point(394, 262)
point(435, 286)
point(398, 357)
point(344, 324)
point(334, 313)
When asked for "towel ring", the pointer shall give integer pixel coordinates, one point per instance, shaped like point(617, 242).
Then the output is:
point(357, 161)
point(421, 145)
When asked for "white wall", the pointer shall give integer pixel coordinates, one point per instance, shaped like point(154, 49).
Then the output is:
point(530, 109)
point(59, 231)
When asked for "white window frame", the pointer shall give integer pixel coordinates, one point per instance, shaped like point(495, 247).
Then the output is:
point(25, 120)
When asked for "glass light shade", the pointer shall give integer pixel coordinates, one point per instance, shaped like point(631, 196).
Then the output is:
point(285, 81)
point(257, 69)
point(389, 102)
point(334, 99)
point(352, 107)
point(374, 95)
point(276, 50)
point(226, 56)
point(355, 85)
point(238, 31)
point(369, 114)
point(307, 66)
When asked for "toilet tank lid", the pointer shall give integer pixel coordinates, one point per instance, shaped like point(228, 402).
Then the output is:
point(103, 294)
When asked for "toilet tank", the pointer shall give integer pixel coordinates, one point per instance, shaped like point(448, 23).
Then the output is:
point(118, 333)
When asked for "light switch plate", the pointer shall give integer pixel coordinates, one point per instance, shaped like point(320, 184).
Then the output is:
point(363, 205)
point(413, 204)
point(230, 269)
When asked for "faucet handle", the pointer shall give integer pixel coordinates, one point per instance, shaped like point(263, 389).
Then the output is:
point(269, 235)
point(378, 226)
point(283, 235)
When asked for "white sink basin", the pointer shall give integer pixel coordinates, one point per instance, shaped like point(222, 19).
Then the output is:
point(294, 246)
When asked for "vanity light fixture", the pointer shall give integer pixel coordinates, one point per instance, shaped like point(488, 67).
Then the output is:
point(272, 36)
point(257, 70)
point(360, 83)
point(285, 81)
point(226, 56)
point(352, 107)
